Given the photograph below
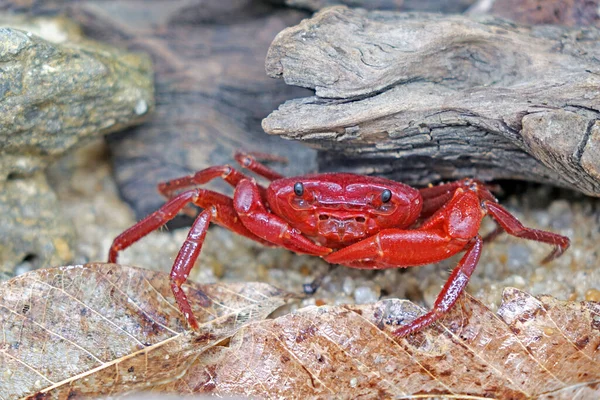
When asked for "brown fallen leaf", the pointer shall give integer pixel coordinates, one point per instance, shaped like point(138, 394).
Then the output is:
point(100, 329)
point(105, 329)
point(533, 348)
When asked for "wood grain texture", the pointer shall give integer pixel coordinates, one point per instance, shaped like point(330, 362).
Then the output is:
point(441, 6)
point(422, 97)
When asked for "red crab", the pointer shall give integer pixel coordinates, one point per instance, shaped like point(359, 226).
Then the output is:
point(355, 220)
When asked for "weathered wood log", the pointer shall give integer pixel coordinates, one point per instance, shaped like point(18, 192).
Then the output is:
point(441, 6)
point(421, 97)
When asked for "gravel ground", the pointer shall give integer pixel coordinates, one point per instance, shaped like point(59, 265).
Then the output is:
point(89, 197)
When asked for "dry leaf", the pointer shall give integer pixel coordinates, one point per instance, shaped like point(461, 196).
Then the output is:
point(100, 329)
point(533, 348)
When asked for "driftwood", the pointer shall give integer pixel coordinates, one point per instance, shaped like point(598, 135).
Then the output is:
point(421, 97)
point(441, 6)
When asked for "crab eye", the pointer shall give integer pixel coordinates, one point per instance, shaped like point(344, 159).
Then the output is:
point(299, 189)
point(386, 195)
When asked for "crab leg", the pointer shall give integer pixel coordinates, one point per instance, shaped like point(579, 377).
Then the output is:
point(152, 222)
point(427, 247)
point(453, 288)
point(217, 207)
point(169, 188)
point(225, 172)
point(512, 226)
point(435, 197)
point(248, 161)
point(222, 206)
point(184, 262)
point(396, 248)
point(250, 208)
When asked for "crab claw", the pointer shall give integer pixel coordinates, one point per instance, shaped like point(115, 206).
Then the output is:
point(393, 248)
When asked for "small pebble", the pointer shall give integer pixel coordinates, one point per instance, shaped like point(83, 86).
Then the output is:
point(348, 285)
point(365, 295)
point(548, 331)
point(339, 300)
point(305, 270)
point(561, 215)
point(573, 297)
point(262, 271)
point(518, 255)
point(218, 269)
point(518, 281)
point(592, 295)
point(141, 107)
point(24, 267)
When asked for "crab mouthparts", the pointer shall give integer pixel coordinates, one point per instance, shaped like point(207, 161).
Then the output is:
point(342, 227)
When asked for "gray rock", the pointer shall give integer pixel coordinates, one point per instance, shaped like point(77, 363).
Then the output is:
point(53, 95)
point(32, 232)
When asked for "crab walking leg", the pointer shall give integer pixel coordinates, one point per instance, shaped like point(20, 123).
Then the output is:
point(223, 205)
point(152, 222)
point(248, 161)
point(184, 262)
point(435, 197)
point(216, 206)
point(455, 285)
point(169, 188)
point(396, 248)
point(226, 172)
point(272, 228)
point(513, 227)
